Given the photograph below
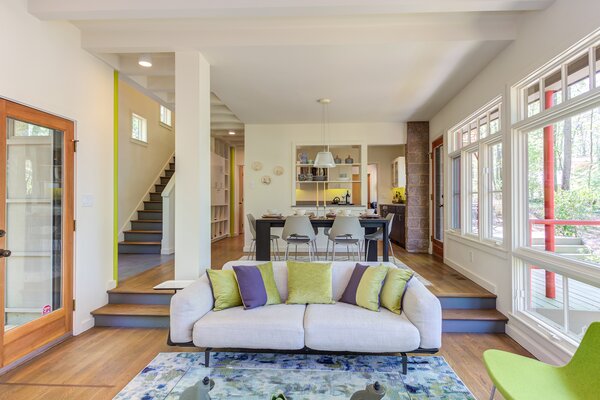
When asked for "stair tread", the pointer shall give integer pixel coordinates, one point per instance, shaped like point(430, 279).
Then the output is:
point(152, 201)
point(473, 314)
point(139, 243)
point(147, 220)
point(151, 211)
point(142, 231)
point(146, 310)
point(468, 295)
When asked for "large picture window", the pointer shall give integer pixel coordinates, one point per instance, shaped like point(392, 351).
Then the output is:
point(476, 189)
point(557, 217)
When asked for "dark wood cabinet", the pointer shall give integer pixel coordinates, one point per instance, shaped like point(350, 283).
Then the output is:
point(398, 233)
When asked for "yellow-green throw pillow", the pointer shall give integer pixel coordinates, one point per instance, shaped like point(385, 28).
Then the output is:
point(309, 283)
point(394, 287)
point(266, 271)
point(224, 288)
point(364, 286)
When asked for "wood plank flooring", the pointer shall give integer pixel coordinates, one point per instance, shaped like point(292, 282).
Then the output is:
point(99, 363)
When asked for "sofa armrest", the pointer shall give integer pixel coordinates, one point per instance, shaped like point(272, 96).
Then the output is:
point(424, 310)
point(187, 307)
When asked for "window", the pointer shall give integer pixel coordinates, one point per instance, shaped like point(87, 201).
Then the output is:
point(478, 141)
point(473, 193)
point(495, 192)
point(165, 116)
point(139, 128)
point(557, 194)
point(455, 222)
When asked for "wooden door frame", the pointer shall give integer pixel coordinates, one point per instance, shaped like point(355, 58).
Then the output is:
point(22, 340)
point(240, 200)
point(437, 246)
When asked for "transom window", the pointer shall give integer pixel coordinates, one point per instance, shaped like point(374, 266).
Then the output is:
point(476, 175)
point(139, 128)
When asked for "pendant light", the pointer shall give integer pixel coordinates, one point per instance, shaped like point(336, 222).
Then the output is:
point(324, 159)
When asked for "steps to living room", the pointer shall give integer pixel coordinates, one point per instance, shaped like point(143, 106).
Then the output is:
point(466, 306)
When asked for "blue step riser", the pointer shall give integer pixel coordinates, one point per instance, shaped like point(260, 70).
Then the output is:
point(470, 326)
point(139, 298)
point(131, 321)
point(471, 303)
point(143, 237)
point(149, 215)
point(139, 249)
point(146, 226)
point(153, 206)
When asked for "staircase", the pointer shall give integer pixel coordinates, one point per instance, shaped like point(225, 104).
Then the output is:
point(146, 231)
point(471, 314)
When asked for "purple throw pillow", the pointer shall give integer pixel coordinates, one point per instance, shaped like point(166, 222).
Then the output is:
point(252, 287)
point(349, 295)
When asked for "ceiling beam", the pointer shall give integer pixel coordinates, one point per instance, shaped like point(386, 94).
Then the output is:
point(148, 9)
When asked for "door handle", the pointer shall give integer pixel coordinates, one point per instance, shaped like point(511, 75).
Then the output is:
point(5, 253)
point(2, 233)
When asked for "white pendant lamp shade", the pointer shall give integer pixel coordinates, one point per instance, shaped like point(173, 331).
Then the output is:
point(324, 159)
point(145, 60)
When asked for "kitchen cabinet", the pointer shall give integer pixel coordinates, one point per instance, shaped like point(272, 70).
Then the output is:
point(399, 172)
point(398, 233)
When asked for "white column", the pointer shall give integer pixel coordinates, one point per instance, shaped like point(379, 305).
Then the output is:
point(192, 162)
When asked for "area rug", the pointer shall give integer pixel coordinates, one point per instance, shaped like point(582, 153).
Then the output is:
point(393, 260)
point(255, 376)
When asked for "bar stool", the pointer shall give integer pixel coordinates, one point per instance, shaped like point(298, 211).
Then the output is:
point(346, 231)
point(298, 230)
point(274, 240)
point(378, 235)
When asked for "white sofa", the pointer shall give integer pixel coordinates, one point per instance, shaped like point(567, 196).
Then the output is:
point(338, 327)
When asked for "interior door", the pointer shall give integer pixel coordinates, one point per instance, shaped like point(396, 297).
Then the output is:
point(36, 223)
point(437, 203)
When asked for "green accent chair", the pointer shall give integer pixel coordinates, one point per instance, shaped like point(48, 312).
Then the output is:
point(523, 378)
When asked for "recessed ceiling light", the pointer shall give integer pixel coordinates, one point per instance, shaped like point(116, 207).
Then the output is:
point(232, 132)
point(145, 60)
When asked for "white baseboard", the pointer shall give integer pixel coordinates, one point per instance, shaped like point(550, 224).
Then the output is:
point(167, 251)
point(489, 286)
point(537, 344)
point(111, 285)
point(83, 326)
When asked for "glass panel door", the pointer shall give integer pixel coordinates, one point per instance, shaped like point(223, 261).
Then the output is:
point(36, 229)
point(33, 222)
point(438, 197)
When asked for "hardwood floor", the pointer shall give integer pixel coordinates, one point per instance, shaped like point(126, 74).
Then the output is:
point(99, 363)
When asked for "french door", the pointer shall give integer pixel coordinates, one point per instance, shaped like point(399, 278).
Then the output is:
point(437, 203)
point(36, 229)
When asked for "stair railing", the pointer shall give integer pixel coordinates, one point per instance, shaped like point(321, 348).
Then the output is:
point(168, 217)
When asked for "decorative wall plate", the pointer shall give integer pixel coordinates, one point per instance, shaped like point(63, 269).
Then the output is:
point(278, 170)
point(266, 180)
point(257, 165)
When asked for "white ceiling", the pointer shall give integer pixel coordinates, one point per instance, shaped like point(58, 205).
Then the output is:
point(379, 60)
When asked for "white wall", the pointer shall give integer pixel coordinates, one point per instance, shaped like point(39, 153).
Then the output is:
point(541, 36)
point(383, 157)
point(44, 67)
point(139, 163)
point(272, 146)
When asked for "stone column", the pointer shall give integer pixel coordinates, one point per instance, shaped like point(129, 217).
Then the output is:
point(192, 165)
point(417, 187)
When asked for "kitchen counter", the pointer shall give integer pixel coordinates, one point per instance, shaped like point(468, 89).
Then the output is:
point(311, 204)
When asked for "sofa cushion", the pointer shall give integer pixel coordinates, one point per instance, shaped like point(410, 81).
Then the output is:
point(278, 327)
point(396, 283)
point(364, 286)
point(279, 273)
point(309, 283)
point(344, 327)
point(252, 287)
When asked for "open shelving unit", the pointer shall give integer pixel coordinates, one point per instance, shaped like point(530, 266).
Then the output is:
point(334, 182)
point(220, 186)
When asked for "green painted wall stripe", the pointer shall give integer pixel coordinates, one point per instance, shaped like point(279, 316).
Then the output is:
point(116, 177)
point(232, 191)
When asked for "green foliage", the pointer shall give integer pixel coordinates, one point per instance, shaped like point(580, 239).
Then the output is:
point(579, 204)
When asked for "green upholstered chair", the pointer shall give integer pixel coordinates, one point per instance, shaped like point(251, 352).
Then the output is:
point(522, 378)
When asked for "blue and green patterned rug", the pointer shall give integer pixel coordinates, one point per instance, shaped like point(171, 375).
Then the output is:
point(325, 377)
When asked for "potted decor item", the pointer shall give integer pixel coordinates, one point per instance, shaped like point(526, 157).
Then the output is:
point(337, 159)
point(303, 158)
point(349, 160)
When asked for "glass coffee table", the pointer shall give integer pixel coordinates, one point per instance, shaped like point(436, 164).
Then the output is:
point(263, 384)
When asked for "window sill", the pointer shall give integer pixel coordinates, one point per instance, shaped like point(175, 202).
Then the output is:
point(166, 126)
point(486, 246)
point(139, 142)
